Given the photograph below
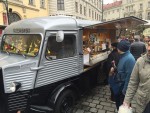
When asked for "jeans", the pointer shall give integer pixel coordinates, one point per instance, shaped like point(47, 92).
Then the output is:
point(119, 98)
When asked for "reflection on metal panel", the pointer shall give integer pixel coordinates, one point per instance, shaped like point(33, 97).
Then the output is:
point(25, 78)
point(56, 70)
point(80, 64)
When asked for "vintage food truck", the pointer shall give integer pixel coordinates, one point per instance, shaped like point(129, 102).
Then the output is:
point(47, 63)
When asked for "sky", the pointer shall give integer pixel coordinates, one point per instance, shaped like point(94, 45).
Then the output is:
point(107, 1)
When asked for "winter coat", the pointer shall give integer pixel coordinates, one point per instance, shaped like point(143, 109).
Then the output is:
point(113, 56)
point(140, 84)
point(119, 82)
point(137, 48)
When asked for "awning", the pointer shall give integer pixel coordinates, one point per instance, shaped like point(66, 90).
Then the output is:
point(122, 23)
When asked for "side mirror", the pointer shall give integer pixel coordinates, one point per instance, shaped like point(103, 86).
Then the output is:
point(60, 36)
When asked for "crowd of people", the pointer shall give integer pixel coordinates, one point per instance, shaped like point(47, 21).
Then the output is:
point(129, 73)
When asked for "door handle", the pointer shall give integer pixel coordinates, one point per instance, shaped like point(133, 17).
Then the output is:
point(36, 68)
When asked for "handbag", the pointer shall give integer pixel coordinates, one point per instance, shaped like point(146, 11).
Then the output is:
point(117, 87)
point(125, 109)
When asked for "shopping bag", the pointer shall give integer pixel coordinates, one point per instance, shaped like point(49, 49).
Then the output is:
point(125, 109)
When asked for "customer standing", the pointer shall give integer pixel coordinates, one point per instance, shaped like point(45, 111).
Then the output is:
point(120, 80)
point(113, 57)
point(137, 48)
point(140, 84)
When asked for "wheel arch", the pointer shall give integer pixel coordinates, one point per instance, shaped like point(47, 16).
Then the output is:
point(61, 88)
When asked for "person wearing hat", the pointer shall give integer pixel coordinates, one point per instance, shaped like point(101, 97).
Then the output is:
point(112, 57)
point(120, 80)
point(137, 48)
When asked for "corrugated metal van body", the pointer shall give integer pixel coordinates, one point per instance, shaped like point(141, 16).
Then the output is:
point(56, 70)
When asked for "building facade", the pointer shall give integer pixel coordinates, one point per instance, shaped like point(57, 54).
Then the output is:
point(80, 9)
point(22, 9)
point(137, 8)
point(112, 11)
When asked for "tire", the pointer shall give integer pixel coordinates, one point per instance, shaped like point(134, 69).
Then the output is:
point(65, 102)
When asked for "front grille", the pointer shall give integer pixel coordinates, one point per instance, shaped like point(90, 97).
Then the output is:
point(18, 100)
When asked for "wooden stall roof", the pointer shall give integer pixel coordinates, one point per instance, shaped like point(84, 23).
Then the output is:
point(122, 23)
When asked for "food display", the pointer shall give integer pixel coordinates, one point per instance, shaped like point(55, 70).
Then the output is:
point(21, 44)
point(96, 45)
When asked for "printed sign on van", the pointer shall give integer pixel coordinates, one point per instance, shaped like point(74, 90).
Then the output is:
point(21, 30)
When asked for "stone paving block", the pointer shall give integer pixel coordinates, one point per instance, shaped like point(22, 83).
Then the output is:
point(78, 106)
point(86, 108)
point(89, 100)
point(93, 110)
point(100, 95)
point(102, 92)
point(110, 112)
point(102, 99)
point(113, 105)
point(95, 101)
point(101, 111)
point(85, 103)
point(96, 97)
point(109, 108)
point(92, 105)
point(87, 112)
point(79, 111)
point(105, 103)
point(99, 106)
point(108, 94)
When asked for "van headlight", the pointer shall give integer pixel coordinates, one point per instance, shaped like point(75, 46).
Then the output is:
point(15, 86)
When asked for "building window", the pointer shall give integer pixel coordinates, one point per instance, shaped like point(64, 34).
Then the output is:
point(80, 9)
point(84, 11)
point(60, 4)
point(76, 6)
point(92, 14)
point(42, 3)
point(148, 16)
point(89, 12)
point(31, 2)
point(140, 16)
point(149, 4)
point(141, 6)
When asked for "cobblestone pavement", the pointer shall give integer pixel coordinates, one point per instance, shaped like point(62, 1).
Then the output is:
point(97, 101)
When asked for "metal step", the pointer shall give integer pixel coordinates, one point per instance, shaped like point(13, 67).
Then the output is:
point(41, 109)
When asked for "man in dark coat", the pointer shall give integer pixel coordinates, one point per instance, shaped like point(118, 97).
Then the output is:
point(137, 48)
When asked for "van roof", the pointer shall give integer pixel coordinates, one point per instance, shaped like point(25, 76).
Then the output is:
point(41, 24)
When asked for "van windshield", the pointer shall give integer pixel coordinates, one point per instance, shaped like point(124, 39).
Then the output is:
point(21, 44)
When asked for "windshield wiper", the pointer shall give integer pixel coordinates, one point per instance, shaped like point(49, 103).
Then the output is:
point(7, 52)
point(24, 55)
point(18, 51)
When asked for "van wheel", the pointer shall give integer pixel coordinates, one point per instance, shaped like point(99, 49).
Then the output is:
point(65, 102)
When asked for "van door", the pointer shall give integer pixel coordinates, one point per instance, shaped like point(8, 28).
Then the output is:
point(60, 59)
